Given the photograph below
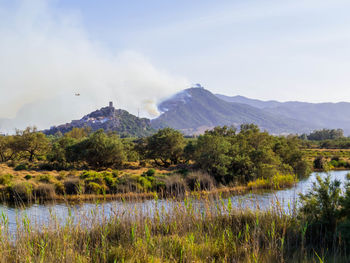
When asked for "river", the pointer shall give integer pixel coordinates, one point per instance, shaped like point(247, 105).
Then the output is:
point(42, 214)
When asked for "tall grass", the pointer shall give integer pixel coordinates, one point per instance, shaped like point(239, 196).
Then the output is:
point(176, 231)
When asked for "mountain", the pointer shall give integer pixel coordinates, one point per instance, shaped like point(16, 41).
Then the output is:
point(260, 104)
point(196, 109)
point(319, 115)
point(109, 119)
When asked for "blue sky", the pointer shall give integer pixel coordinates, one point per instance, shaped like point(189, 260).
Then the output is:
point(286, 50)
point(147, 50)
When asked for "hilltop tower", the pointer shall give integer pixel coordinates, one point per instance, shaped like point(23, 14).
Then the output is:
point(111, 104)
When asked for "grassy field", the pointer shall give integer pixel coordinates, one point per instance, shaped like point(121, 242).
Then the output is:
point(217, 232)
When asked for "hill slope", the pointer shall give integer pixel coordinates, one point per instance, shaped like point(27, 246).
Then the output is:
point(109, 119)
point(320, 115)
point(196, 109)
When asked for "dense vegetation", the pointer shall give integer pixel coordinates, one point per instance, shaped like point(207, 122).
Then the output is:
point(222, 156)
point(326, 139)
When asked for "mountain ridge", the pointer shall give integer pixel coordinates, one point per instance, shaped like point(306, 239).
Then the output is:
point(193, 108)
point(321, 115)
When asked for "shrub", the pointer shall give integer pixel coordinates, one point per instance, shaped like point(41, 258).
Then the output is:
point(5, 179)
point(94, 188)
point(175, 185)
point(61, 176)
point(73, 186)
point(21, 167)
point(150, 172)
point(320, 163)
point(145, 184)
point(320, 208)
point(45, 178)
point(199, 181)
point(59, 188)
point(276, 182)
point(45, 192)
point(21, 191)
point(28, 177)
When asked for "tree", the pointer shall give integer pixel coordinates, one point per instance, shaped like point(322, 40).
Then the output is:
point(211, 155)
point(98, 150)
point(31, 142)
point(165, 147)
point(8, 151)
point(326, 134)
point(58, 152)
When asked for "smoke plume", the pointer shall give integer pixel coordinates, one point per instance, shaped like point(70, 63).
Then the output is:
point(47, 57)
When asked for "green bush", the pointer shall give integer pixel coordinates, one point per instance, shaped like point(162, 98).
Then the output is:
point(145, 184)
point(28, 177)
point(94, 188)
point(45, 178)
point(21, 167)
point(5, 179)
point(150, 172)
point(22, 191)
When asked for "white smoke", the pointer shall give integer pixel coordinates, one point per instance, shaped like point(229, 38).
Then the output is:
point(46, 57)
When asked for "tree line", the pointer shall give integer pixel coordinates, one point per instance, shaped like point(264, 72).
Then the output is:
point(227, 155)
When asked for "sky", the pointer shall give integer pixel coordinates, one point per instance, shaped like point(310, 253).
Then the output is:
point(137, 53)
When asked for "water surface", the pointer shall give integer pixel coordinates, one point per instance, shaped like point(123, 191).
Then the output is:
point(41, 214)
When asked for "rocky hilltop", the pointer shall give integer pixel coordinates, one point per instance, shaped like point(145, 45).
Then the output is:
point(109, 119)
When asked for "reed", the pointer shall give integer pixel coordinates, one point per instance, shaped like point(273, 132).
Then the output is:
point(195, 229)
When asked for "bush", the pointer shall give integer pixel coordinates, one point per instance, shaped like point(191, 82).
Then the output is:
point(45, 178)
point(72, 186)
point(320, 209)
point(320, 163)
point(28, 177)
point(94, 188)
point(61, 176)
point(22, 191)
point(150, 172)
point(45, 192)
point(200, 181)
point(175, 185)
point(276, 182)
point(59, 188)
point(21, 167)
point(5, 179)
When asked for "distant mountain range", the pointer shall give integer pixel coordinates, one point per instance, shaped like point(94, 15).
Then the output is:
point(109, 119)
point(196, 109)
point(315, 115)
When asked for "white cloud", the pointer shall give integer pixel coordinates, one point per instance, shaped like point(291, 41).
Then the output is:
point(46, 57)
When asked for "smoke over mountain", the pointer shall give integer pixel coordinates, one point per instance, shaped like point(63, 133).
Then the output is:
point(47, 57)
